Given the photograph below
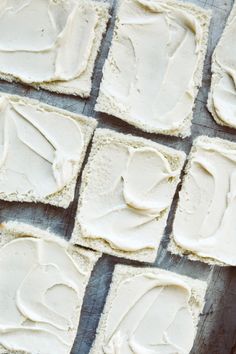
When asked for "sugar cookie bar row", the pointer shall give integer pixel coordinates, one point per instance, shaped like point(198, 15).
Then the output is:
point(154, 68)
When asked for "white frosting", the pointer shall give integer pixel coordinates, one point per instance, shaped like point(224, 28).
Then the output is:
point(36, 276)
point(204, 223)
point(39, 149)
point(149, 75)
point(150, 314)
point(224, 84)
point(46, 40)
point(127, 194)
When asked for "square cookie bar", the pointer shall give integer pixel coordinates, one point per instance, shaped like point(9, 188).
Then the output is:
point(222, 96)
point(154, 68)
point(52, 44)
point(204, 225)
point(127, 189)
point(41, 151)
point(42, 284)
point(149, 310)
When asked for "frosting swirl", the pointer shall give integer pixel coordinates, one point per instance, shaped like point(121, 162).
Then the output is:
point(39, 149)
point(150, 314)
point(127, 196)
point(149, 76)
point(36, 276)
point(204, 223)
point(46, 40)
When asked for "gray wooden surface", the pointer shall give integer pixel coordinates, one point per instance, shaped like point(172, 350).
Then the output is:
point(217, 328)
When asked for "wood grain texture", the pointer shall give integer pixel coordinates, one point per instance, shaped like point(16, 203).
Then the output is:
point(217, 328)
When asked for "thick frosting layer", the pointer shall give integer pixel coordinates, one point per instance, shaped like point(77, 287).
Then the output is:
point(150, 314)
point(36, 276)
point(127, 195)
point(224, 87)
point(46, 40)
point(205, 218)
point(149, 75)
point(39, 149)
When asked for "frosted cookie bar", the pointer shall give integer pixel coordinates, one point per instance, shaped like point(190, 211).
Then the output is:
point(222, 97)
point(42, 284)
point(41, 151)
point(127, 189)
point(149, 310)
point(51, 44)
point(204, 225)
point(154, 68)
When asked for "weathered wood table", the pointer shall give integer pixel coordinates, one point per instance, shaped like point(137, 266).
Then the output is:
point(217, 329)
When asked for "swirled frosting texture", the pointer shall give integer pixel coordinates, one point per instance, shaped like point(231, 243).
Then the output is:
point(205, 218)
point(51, 41)
point(39, 149)
point(127, 192)
point(148, 312)
point(222, 102)
point(149, 77)
point(40, 296)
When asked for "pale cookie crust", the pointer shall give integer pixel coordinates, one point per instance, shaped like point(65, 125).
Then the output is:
point(85, 259)
point(64, 197)
point(83, 84)
point(107, 105)
point(173, 246)
point(217, 73)
point(104, 136)
point(122, 273)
